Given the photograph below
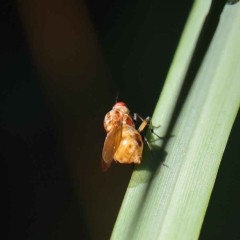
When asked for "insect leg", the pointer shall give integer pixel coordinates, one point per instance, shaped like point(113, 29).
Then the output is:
point(136, 116)
point(151, 150)
point(145, 122)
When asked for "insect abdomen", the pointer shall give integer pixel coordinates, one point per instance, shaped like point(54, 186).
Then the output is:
point(130, 147)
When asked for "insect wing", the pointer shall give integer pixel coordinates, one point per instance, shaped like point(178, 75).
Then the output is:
point(111, 144)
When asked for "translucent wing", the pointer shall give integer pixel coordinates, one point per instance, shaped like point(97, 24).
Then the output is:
point(111, 144)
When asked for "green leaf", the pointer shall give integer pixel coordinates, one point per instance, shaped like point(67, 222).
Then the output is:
point(170, 202)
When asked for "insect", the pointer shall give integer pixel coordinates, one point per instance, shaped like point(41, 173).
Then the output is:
point(123, 143)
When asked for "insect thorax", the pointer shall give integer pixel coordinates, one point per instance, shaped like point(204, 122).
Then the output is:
point(114, 116)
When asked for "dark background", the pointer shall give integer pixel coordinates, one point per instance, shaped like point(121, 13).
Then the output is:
point(54, 95)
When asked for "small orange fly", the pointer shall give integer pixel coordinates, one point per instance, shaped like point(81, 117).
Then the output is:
point(123, 143)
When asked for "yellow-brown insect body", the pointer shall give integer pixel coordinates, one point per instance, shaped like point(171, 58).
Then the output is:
point(123, 142)
point(119, 113)
point(131, 146)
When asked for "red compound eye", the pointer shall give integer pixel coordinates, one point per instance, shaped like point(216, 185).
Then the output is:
point(120, 104)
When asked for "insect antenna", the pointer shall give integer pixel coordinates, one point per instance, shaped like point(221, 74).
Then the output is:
point(117, 94)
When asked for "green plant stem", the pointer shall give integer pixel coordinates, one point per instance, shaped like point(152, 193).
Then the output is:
point(170, 203)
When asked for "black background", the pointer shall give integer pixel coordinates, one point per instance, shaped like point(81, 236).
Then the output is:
point(138, 40)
